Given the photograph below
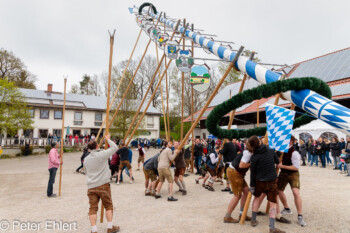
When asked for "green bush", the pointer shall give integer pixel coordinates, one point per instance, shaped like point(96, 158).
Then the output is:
point(47, 149)
point(65, 150)
point(30, 150)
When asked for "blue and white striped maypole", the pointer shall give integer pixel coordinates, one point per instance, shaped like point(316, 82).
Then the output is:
point(325, 109)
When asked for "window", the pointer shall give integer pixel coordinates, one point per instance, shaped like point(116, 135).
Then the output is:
point(31, 113)
point(98, 119)
point(44, 114)
point(57, 132)
point(58, 114)
point(28, 133)
point(43, 133)
point(78, 118)
point(150, 121)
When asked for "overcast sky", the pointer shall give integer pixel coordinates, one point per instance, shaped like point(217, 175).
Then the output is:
point(70, 37)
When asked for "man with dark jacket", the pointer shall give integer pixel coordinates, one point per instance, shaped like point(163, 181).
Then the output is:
point(321, 151)
point(229, 153)
point(123, 153)
point(336, 151)
point(198, 153)
point(263, 179)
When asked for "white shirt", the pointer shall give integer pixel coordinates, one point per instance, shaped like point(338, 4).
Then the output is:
point(213, 159)
point(246, 156)
point(295, 159)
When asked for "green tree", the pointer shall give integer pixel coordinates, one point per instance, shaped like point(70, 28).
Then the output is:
point(14, 113)
point(13, 69)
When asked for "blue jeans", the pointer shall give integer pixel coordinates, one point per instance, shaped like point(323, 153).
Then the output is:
point(323, 159)
point(127, 173)
point(314, 160)
point(309, 157)
point(329, 161)
point(197, 162)
point(52, 171)
point(340, 165)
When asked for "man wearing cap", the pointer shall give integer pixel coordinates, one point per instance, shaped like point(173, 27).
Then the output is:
point(54, 163)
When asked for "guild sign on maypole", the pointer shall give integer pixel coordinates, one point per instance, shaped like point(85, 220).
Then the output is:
point(171, 49)
point(200, 77)
point(184, 61)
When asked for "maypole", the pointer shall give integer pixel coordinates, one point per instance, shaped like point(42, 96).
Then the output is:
point(62, 136)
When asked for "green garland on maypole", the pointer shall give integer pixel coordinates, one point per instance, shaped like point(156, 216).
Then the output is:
point(147, 4)
point(263, 91)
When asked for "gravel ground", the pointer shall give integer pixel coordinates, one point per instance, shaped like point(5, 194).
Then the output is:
point(23, 183)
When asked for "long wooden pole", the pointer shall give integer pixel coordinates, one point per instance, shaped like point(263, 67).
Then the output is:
point(148, 89)
point(182, 94)
point(128, 87)
point(192, 119)
point(111, 42)
point(210, 98)
point(119, 84)
point(62, 137)
point(150, 100)
point(161, 95)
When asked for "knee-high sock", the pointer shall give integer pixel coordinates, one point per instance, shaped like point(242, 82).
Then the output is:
point(183, 185)
point(179, 184)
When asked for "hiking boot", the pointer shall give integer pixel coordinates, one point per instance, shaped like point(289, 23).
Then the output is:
point(52, 195)
point(227, 189)
point(206, 186)
point(301, 221)
point(230, 220)
point(254, 223)
point(157, 196)
point(203, 185)
point(211, 189)
point(184, 192)
point(247, 218)
point(148, 194)
point(283, 220)
point(276, 230)
point(197, 181)
point(114, 229)
point(285, 212)
point(172, 198)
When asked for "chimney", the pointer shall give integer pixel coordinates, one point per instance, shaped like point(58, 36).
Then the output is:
point(49, 87)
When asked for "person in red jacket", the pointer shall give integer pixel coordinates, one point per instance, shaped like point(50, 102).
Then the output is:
point(54, 163)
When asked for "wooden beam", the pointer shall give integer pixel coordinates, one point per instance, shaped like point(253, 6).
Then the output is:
point(62, 136)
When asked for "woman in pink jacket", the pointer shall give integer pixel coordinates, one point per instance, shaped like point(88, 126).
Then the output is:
point(54, 163)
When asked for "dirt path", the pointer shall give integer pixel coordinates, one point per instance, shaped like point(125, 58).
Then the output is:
point(23, 183)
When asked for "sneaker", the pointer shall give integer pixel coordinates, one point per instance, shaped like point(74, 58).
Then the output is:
point(254, 223)
point(206, 187)
point(247, 218)
point(114, 229)
point(211, 189)
point(284, 211)
point(301, 221)
point(283, 220)
point(226, 189)
point(276, 230)
point(230, 220)
point(184, 192)
point(52, 195)
point(197, 181)
point(131, 182)
point(157, 196)
point(118, 182)
point(148, 194)
point(230, 192)
point(186, 175)
point(172, 198)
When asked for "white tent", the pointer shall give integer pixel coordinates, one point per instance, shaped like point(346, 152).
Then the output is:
point(317, 128)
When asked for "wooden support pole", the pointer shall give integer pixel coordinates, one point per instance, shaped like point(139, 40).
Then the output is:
point(167, 102)
point(161, 95)
point(231, 65)
point(111, 40)
point(148, 104)
point(119, 84)
point(129, 86)
point(192, 119)
point(62, 137)
point(182, 94)
point(148, 89)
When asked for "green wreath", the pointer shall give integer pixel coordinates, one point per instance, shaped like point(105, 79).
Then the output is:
point(263, 91)
point(147, 4)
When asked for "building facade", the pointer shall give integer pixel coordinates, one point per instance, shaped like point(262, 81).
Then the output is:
point(84, 115)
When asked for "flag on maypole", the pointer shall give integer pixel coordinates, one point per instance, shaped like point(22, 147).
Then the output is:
point(279, 127)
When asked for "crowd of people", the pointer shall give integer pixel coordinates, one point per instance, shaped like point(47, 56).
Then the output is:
point(270, 171)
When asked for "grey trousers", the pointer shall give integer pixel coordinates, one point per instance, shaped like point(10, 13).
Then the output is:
point(336, 161)
point(348, 167)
